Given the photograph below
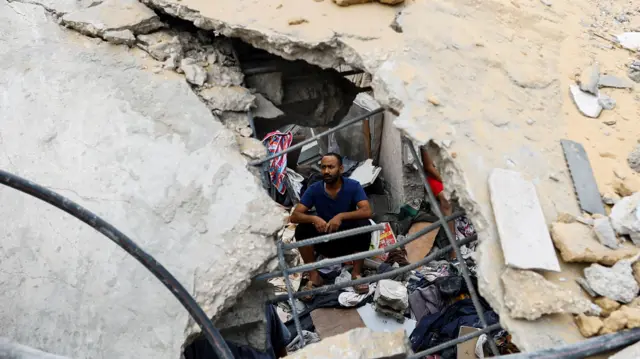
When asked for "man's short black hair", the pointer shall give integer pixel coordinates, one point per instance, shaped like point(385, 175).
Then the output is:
point(337, 156)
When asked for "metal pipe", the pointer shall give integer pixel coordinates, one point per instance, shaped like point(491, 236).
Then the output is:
point(287, 282)
point(333, 236)
point(320, 135)
point(159, 271)
point(465, 271)
point(401, 242)
point(453, 342)
point(584, 349)
point(376, 277)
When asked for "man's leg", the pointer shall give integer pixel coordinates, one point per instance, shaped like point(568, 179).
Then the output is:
point(356, 244)
point(306, 231)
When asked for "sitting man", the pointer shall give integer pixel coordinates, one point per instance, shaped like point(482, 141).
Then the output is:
point(340, 204)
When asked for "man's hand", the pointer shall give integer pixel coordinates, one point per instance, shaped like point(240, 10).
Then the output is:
point(320, 224)
point(334, 224)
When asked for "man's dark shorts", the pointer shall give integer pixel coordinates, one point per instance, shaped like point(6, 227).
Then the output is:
point(338, 247)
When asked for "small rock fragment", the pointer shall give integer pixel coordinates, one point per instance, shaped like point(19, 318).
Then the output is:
point(251, 147)
point(589, 79)
point(554, 177)
point(194, 74)
point(588, 326)
point(625, 215)
point(160, 45)
point(617, 282)
point(622, 190)
point(172, 62)
point(629, 40)
point(604, 232)
point(614, 82)
point(607, 103)
point(350, 2)
point(586, 103)
point(530, 122)
point(608, 155)
point(634, 159)
point(634, 70)
point(585, 286)
point(121, 37)
point(546, 2)
point(233, 98)
point(609, 122)
point(616, 321)
point(219, 75)
point(433, 100)
point(633, 316)
point(636, 302)
point(608, 305)
point(610, 198)
point(528, 295)
point(297, 21)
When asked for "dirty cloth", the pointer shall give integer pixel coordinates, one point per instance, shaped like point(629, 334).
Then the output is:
point(351, 299)
point(435, 269)
point(277, 338)
point(309, 338)
point(275, 142)
point(295, 180)
point(398, 255)
point(425, 301)
point(443, 326)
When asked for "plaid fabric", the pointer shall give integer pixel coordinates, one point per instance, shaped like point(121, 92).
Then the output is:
point(275, 142)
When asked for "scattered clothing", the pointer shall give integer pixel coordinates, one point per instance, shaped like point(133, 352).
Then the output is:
point(275, 142)
point(309, 338)
point(435, 269)
point(425, 301)
point(351, 299)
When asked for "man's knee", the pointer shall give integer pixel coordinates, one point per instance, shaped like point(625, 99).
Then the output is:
point(305, 231)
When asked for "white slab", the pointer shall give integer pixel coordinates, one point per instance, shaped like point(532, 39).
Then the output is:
point(366, 173)
point(381, 323)
point(524, 236)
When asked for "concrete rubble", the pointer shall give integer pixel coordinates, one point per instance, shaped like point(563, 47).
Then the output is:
point(604, 232)
point(625, 216)
point(589, 79)
point(617, 282)
point(634, 159)
point(588, 326)
point(614, 82)
point(142, 151)
point(358, 343)
point(528, 295)
point(587, 103)
point(634, 70)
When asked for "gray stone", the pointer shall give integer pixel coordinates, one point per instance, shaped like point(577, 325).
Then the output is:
point(392, 294)
point(614, 82)
point(194, 74)
point(625, 215)
point(634, 70)
point(160, 45)
point(585, 286)
point(224, 76)
point(528, 295)
point(604, 232)
point(266, 109)
point(11, 350)
point(270, 85)
point(586, 103)
point(589, 79)
point(524, 236)
point(634, 159)
point(629, 40)
point(357, 343)
point(616, 283)
point(113, 15)
point(144, 153)
point(606, 102)
point(120, 37)
point(234, 98)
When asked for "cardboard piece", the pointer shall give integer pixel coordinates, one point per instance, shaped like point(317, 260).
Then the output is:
point(334, 321)
point(467, 350)
point(421, 246)
point(381, 323)
point(382, 239)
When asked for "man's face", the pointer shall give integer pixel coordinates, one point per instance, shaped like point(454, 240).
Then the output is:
point(331, 169)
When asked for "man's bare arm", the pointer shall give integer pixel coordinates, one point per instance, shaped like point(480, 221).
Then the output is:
point(300, 215)
point(363, 212)
point(428, 166)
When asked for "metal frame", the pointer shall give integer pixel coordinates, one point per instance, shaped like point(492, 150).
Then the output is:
point(580, 350)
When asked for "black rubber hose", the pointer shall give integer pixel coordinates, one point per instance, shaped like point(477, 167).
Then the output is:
point(86, 216)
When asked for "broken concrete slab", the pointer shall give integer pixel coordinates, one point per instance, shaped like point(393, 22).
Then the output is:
point(237, 121)
point(161, 44)
point(113, 15)
point(234, 98)
point(588, 326)
point(589, 78)
point(634, 159)
point(194, 73)
point(269, 84)
point(358, 343)
point(577, 243)
point(251, 147)
point(528, 295)
point(524, 237)
point(120, 37)
point(617, 282)
point(224, 75)
point(584, 181)
point(625, 215)
point(266, 109)
point(629, 40)
point(604, 232)
point(154, 162)
point(614, 82)
point(585, 102)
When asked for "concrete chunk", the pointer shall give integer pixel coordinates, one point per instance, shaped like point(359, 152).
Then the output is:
point(357, 343)
point(604, 232)
point(577, 243)
point(120, 37)
point(614, 82)
point(194, 74)
point(629, 40)
point(617, 282)
point(528, 295)
point(525, 240)
point(113, 15)
point(634, 159)
point(587, 103)
point(625, 215)
point(589, 79)
point(234, 98)
point(266, 109)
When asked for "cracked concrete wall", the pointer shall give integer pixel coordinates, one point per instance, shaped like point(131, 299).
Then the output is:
point(493, 91)
point(90, 120)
